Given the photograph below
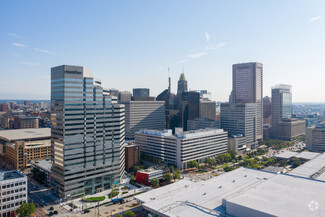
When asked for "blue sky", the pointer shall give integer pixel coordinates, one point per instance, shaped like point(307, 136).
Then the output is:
point(130, 44)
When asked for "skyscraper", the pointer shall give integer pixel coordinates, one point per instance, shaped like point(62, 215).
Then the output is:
point(281, 106)
point(87, 134)
point(182, 85)
point(141, 92)
point(247, 87)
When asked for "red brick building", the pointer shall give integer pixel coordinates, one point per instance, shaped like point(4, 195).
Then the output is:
point(145, 176)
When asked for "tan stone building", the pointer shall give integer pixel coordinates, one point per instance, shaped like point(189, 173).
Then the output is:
point(23, 122)
point(20, 154)
point(289, 128)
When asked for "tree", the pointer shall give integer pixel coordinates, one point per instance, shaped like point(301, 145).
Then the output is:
point(26, 209)
point(171, 169)
point(176, 175)
point(168, 177)
point(155, 182)
point(232, 153)
point(193, 164)
point(136, 168)
point(129, 214)
point(227, 169)
point(132, 179)
point(119, 215)
point(209, 161)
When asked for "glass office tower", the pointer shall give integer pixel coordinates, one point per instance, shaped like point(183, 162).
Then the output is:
point(87, 134)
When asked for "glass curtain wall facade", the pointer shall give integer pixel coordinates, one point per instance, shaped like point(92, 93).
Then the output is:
point(281, 106)
point(87, 134)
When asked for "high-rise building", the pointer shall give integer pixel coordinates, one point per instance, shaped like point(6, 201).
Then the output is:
point(182, 85)
point(315, 138)
point(143, 115)
point(281, 106)
point(267, 104)
point(190, 107)
point(87, 134)
point(4, 107)
point(182, 147)
point(132, 156)
point(124, 96)
point(201, 123)
point(141, 92)
point(247, 87)
point(239, 119)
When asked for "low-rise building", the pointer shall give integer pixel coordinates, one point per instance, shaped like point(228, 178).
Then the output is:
point(182, 147)
point(289, 128)
point(145, 176)
point(23, 122)
point(132, 156)
point(28, 135)
point(13, 192)
point(237, 143)
point(21, 153)
point(45, 167)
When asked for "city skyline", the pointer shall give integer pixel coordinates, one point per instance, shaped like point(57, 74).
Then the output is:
point(114, 39)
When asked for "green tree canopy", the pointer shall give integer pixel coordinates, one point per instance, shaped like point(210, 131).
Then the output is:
point(193, 164)
point(168, 177)
point(129, 214)
point(26, 209)
point(154, 182)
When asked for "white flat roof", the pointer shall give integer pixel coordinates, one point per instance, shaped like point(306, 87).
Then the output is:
point(311, 167)
point(305, 154)
point(276, 194)
point(24, 134)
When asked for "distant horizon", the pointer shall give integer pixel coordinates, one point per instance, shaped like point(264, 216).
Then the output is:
point(1, 100)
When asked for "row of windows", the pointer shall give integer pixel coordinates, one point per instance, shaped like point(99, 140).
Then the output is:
point(12, 185)
point(13, 191)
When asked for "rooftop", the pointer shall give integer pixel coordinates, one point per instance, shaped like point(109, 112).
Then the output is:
point(13, 174)
point(25, 134)
point(240, 189)
point(182, 77)
point(305, 155)
point(314, 168)
point(150, 171)
point(44, 164)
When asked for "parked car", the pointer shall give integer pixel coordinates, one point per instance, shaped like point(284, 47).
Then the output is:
point(55, 212)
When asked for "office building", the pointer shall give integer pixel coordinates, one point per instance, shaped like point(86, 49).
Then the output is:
point(315, 138)
point(31, 137)
point(23, 122)
point(289, 128)
point(240, 118)
point(201, 123)
point(145, 176)
point(237, 143)
point(132, 156)
point(21, 153)
point(281, 106)
point(124, 97)
point(189, 108)
point(267, 106)
point(182, 85)
point(247, 87)
point(143, 115)
point(208, 109)
point(87, 134)
point(4, 107)
point(242, 192)
point(182, 147)
point(13, 192)
point(141, 92)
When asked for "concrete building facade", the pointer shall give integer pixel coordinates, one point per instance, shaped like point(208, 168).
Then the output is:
point(289, 128)
point(143, 115)
point(13, 192)
point(315, 138)
point(23, 122)
point(182, 147)
point(247, 87)
point(240, 119)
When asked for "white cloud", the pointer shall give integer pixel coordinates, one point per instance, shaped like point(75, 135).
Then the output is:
point(314, 19)
point(196, 55)
point(44, 51)
point(207, 37)
point(28, 63)
point(215, 46)
point(14, 35)
point(18, 45)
